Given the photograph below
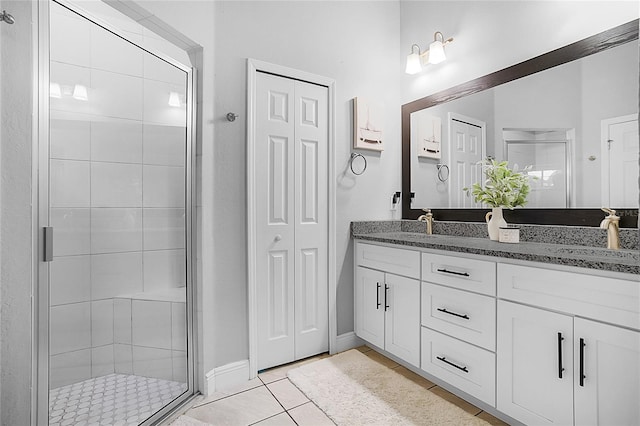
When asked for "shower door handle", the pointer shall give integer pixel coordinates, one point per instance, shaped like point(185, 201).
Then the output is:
point(48, 244)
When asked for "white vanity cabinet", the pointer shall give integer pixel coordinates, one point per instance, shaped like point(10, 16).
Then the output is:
point(541, 344)
point(387, 299)
point(459, 323)
point(558, 362)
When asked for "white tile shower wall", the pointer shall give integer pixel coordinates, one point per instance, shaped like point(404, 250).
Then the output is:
point(69, 367)
point(121, 148)
point(117, 141)
point(116, 230)
point(71, 230)
point(69, 276)
point(140, 349)
point(163, 228)
point(69, 138)
point(164, 269)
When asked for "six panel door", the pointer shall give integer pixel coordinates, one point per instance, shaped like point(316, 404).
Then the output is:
point(292, 220)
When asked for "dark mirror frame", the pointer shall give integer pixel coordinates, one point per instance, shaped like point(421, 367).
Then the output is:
point(573, 216)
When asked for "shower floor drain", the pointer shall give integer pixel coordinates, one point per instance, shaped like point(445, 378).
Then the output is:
point(115, 399)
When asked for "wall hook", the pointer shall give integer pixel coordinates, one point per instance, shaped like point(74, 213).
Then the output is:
point(231, 116)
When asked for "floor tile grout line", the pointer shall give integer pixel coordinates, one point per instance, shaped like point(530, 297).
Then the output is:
point(272, 416)
point(228, 396)
point(278, 401)
point(313, 402)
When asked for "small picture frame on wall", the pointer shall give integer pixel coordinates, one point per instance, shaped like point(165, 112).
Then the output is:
point(368, 125)
point(429, 136)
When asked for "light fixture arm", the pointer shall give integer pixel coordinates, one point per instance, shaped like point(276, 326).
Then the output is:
point(442, 40)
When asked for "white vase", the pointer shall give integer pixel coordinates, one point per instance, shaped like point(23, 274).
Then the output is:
point(495, 221)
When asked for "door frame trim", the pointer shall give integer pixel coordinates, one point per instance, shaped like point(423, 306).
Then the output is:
point(253, 67)
point(604, 153)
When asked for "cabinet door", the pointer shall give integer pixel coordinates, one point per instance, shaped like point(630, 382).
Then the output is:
point(534, 365)
point(402, 323)
point(369, 305)
point(610, 389)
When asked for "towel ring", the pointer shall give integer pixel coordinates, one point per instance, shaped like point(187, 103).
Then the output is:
point(355, 155)
point(443, 172)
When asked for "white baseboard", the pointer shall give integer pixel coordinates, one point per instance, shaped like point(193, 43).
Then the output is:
point(348, 341)
point(226, 376)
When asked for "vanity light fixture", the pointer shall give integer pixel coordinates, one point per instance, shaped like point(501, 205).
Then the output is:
point(435, 54)
point(174, 100)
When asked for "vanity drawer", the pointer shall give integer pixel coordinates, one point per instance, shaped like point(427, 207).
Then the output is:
point(467, 367)
point(467, 274)
point(388, 259)
point(612, 300)
point(467, 316)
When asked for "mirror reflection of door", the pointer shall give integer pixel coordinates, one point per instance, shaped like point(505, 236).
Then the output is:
point(468, 146)
point(620, 152)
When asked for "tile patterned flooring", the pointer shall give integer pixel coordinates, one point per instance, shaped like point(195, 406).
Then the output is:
point(114, 399)
point(272, 400)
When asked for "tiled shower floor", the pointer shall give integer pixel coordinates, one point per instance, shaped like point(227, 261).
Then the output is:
point(114, 399)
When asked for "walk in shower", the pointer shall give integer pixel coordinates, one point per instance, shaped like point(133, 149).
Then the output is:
point(117, 222)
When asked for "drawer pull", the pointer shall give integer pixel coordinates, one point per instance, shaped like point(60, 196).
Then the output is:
point(446, 361)
point(582, 376)
point(465, 316)
point(378, 296)
point(560, 368)
point(446, 271)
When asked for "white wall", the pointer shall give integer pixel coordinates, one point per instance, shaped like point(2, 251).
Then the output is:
point(491, 35)
point(356, 43)
point(15, 215)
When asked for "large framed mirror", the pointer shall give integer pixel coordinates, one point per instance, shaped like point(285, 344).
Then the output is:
point(554, 112)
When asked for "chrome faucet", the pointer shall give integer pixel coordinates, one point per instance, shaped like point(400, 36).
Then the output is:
point(428, 218)
point(612, 224)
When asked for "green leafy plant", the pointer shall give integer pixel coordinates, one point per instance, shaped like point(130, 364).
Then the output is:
point(504, 186)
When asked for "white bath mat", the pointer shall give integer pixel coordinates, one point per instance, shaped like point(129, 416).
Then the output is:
point(352, 389)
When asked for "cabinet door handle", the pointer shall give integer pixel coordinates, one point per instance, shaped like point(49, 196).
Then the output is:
point(48, 244)
point(446, 361)
point(386, 290)
point(378, 296)
point(582, 376)
point(446, 271)
point(465, 316)
point(560, 368)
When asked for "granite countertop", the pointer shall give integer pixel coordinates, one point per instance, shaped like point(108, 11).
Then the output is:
point(624, 260)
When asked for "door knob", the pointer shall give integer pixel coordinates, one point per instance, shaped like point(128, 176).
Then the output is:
point(277, 238)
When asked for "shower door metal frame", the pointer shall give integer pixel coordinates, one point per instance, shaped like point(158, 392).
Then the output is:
point(41, 219)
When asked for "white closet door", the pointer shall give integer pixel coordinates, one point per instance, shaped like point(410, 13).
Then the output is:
point(311, 220)
point(275, 219)
point(292, 219)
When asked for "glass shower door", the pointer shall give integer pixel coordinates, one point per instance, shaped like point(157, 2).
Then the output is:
point(118, 204)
